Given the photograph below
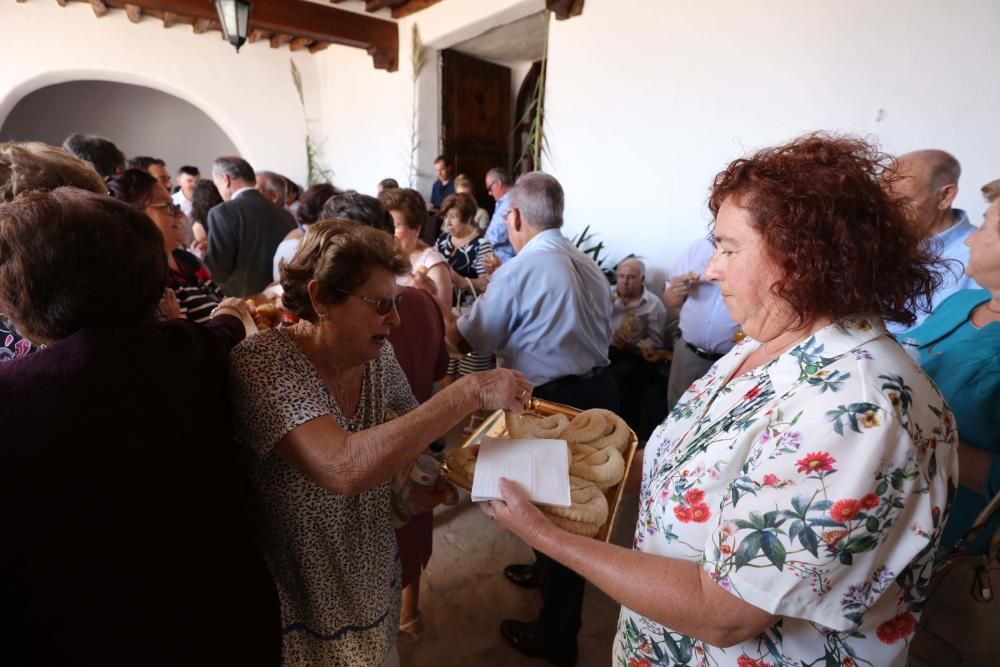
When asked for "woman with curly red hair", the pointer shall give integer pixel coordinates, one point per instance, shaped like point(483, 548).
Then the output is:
point(791, 502)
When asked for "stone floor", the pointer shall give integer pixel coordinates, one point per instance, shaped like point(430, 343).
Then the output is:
point(464, 595)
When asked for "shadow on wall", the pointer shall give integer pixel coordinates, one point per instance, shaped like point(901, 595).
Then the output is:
point(140, 120)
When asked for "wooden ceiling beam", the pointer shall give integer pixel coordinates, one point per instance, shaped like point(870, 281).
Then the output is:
point(299, 43)
point(375, 5)
point(279, 40)
point(318, 46)
point(134, 12)
point(100, 9)
point(201, 25)
point(320, 23)
point(257, 35)
point(169, 19)
point(411, 7)
point(564, 9)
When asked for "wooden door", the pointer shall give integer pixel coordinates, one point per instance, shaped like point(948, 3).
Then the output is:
point(476, 117)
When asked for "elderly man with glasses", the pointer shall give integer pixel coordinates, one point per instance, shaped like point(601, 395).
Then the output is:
point(498, 184)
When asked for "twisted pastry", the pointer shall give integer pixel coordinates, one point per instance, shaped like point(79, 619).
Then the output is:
point(528, 425)
point(603, 467)
point(598, 428)
point(589, 504)
point(586, 427)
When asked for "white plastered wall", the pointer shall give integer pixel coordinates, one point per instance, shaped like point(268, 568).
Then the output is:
point(367, 114)
point(682, 87)
point(250, 95)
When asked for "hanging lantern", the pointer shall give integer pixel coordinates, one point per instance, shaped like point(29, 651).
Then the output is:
point(234, 15)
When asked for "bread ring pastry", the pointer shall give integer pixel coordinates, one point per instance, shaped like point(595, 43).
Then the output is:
point(586, 427)
point(580, 452)
point(616, 434)
point(589, 504)
point(603, 467)
point(527, 425)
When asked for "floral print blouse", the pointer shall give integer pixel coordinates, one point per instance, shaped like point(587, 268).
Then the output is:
point(814, 488)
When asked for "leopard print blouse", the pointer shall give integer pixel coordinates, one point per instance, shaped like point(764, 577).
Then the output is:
point(334, 558)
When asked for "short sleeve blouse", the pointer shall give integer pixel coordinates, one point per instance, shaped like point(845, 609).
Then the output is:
point(813, 488)
point(428, 258)
point(334, 558)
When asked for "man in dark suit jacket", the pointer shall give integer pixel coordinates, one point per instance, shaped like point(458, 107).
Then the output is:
point(244, 231)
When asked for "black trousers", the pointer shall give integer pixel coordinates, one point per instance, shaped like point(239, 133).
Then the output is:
point(562, 589)
point(633, 374)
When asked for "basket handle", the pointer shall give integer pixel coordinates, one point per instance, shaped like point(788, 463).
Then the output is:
point(979, 524)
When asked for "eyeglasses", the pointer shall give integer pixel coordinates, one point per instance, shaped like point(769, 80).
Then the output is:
point(382, 306)
point(172, 209)
point(489, 186)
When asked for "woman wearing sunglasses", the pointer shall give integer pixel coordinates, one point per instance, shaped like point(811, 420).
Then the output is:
point(197, 295)
point(328, 420)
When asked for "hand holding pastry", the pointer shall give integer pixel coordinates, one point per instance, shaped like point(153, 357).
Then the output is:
point(677, 290)
point(421, 280)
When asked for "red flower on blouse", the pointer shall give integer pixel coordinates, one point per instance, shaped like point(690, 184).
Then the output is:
point(683, 513)
point(752, 394)
point(845, 510)
point(869, 501)
point(694, 496)
point(639, 662)
point(816, 462)
point(700, 513)
point(770, 479)
point(896, 628)
point(747, 661)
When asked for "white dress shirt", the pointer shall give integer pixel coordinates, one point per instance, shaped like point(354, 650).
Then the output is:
point(705, 320)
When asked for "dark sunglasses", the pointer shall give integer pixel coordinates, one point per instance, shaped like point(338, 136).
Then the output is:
point(172, 208)
point(382, 306)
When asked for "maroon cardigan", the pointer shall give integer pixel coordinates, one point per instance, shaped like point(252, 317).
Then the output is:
point(124, 541)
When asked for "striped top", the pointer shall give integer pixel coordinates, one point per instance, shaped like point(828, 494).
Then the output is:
point(468, 259)
point(191, 282)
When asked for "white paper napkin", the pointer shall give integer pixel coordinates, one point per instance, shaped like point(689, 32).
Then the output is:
point(540, 466)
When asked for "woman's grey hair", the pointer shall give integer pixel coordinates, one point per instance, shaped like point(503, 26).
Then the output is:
point(540, 199)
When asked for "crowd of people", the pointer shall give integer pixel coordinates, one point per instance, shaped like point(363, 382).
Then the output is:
point(814, 412)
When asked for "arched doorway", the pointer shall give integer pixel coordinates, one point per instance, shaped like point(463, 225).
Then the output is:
point(139, 119)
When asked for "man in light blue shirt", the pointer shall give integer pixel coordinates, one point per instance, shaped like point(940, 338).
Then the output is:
point(927, 180)
point(498, 184)
point(707, 330)
point(547, 314)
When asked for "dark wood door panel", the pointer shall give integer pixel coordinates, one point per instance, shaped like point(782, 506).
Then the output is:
point(476, 114)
